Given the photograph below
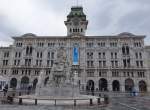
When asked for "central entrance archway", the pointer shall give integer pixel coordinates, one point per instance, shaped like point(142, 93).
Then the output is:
point(116, 85)
point(24, 82)
point(103, 84)
point(129, 85)
point(90, 85)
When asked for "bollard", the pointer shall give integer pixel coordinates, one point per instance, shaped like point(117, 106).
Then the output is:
point(35, 101)
point(100, 95)
point(10, 99)
point(20, 101)
point(91, 102)
point(75, 102)
point(19, 93)
point(106, 100)
point(98, 101)
point(55, 102)
point(13, 94)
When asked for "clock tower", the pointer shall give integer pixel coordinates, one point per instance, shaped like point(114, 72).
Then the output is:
point(76, 22)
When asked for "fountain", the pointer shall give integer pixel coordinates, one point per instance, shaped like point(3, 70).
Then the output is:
point(62, 85)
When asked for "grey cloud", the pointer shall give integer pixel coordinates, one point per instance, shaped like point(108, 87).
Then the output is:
point(6, 30)
point(141, 2)
point(100, 13)
point(137, 20)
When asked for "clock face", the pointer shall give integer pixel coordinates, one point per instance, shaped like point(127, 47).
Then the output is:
point(76, 21)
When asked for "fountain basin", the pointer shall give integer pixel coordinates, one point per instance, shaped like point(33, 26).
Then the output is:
point(50, 100)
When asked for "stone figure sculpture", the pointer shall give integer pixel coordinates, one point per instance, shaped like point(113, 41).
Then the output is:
point(60, 83)
point(60, 70)
point(40, 83)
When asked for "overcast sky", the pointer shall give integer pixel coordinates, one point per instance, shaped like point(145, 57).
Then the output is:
point(46, 17)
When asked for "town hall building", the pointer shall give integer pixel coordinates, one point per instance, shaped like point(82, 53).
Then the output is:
point(103, 63)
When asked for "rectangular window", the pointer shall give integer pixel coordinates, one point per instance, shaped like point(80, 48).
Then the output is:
point(90, 74)
point(99, 55)
point(5, 62)
point(140, 54)
point(115, 55)
point(48, 62)
point(124, 63)
point(112, 64)
point(116, 63)
point(137, 63)
point(104, 55)
point(48, 55)
point(100, 64)
point(111, 55)
point(102, 74)
point(136, 55)
point(37, 54)
point(141, 63)
point(52, 62)
point(41, 55)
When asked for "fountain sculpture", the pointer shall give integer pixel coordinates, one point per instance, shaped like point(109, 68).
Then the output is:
point(61, 82)
point(61, 85)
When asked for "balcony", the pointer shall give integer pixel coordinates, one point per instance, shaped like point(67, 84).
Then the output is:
point(126, 55)
point(90, 67)
point(102, 67)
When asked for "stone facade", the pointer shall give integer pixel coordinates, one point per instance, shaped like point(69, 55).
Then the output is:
point(103, 63)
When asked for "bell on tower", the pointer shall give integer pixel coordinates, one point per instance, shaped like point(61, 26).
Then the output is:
point(76, 22)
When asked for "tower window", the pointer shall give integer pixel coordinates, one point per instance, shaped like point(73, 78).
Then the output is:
point(76, 30)
point(70, 30)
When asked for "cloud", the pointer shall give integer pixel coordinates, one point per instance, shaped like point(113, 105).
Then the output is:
point(46, 17)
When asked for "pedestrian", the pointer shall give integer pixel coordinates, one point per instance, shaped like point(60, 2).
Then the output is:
point(5, 89)
point(29, 89)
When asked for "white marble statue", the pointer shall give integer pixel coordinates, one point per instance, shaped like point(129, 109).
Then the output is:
point(40, 83)
point(75, 78)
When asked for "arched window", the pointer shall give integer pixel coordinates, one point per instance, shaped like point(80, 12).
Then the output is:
point(142, 86)
point(116, 85)
point(127, 50)
point(90, 85)
point(123, 50)
point(103, 84)
point(24, 82)
point(129, 84)
point(13, 83)
point(27, 50)
point(31, 50)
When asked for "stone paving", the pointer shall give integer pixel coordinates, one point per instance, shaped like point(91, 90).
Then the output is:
point(130, 103)
point(116, 103)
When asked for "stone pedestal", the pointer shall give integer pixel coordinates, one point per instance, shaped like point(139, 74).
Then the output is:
point(60, 92)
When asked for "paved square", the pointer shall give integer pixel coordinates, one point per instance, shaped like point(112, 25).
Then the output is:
point(116, 103)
